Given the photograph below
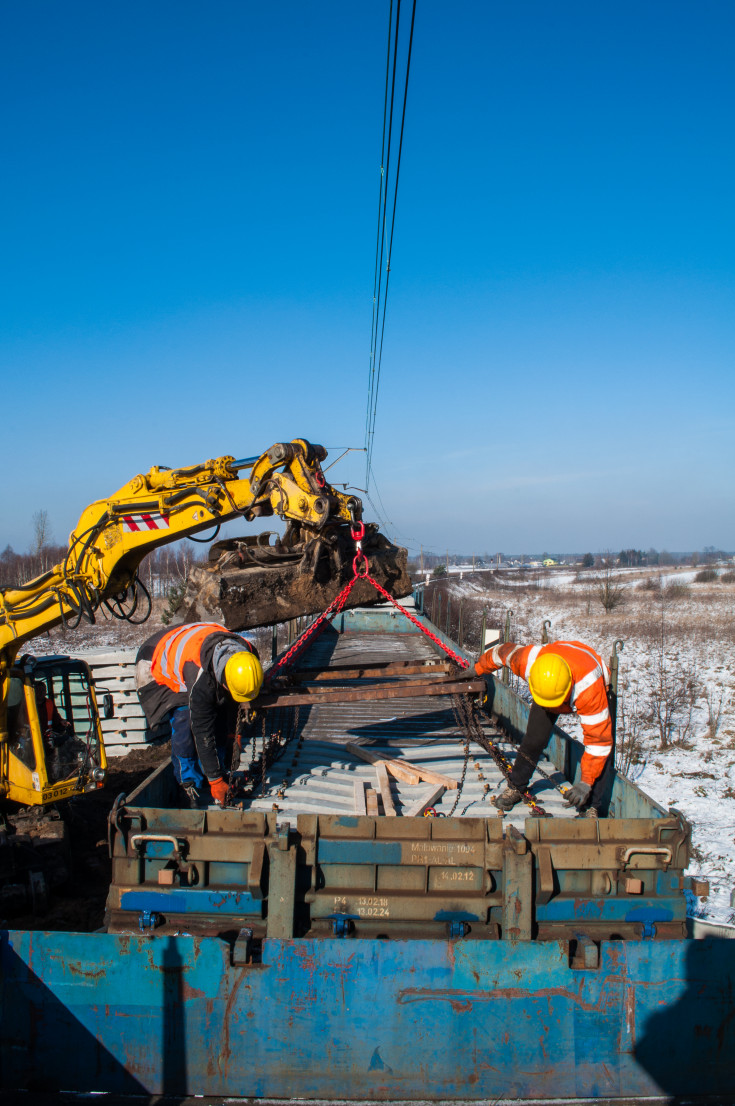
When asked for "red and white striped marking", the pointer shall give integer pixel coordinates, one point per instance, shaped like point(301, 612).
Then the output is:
point(153, 521)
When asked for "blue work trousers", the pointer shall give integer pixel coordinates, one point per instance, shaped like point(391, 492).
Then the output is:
point(187, 769)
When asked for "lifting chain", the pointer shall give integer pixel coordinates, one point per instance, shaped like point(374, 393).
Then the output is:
point(467, 720)
point(464, 766)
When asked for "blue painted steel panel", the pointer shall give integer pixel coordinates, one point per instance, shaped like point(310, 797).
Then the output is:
point(187, 901)
point(360, 852)
point(371, 1019)
point(612, 910)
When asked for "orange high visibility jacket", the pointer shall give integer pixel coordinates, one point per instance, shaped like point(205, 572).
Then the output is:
point(177, 648)
point(587, 698)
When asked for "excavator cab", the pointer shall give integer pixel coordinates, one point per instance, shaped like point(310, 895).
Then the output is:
point(54, 744)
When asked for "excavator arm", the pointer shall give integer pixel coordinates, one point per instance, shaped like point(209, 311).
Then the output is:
point(51, 744)
point(161, 506)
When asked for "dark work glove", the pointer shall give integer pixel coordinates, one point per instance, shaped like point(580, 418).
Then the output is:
point(578, 794)
point(457, 672)
point(280, 683)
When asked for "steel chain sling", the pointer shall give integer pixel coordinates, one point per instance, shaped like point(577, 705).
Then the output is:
point(465, 712)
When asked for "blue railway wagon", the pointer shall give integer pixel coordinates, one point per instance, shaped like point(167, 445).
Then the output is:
point(314, 954)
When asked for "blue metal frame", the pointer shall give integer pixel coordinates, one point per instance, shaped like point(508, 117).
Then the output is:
point(455, 1018)
point(367, 1019)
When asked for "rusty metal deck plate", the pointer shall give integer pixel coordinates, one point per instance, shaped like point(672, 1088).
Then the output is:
point(316, 775)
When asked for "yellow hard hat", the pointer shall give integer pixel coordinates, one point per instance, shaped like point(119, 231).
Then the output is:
point(243, 676)
point(550, 680)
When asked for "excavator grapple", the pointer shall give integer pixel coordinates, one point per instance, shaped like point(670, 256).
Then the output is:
point(250, 582)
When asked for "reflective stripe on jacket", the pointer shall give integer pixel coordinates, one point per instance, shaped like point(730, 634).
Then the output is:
point(587, 699)
point(176, 648)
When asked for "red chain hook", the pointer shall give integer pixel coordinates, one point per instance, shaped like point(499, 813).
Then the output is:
point(360, 565)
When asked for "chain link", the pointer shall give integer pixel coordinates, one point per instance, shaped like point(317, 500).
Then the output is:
point(450, 652)
point(464, 773)
point(329, 613)
point(465, 713)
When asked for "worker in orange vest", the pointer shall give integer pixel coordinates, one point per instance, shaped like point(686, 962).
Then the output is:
point(55, 729)
point(192, 676)
point(563, 677)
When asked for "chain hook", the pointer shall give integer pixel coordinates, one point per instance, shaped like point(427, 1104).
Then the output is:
point(360, 565)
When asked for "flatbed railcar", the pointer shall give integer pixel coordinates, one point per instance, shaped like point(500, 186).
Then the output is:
point(297, 949)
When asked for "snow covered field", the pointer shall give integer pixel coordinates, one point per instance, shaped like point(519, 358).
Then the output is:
point(676, 715)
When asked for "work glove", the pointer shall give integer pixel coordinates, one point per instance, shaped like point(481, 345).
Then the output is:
point(578, 794)
point(280, 683)
point(219, 790)
point(458, 672)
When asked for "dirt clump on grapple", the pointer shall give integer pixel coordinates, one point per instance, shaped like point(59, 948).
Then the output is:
point(250, 582)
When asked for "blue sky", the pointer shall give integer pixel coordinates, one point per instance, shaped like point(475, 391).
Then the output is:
point(189, 199)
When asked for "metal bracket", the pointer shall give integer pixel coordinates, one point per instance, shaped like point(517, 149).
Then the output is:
point(342, 924)
point(587, 954)
point(148, 919)
point(648, 930)
point(240, 954)
point(459, 929)
point(545, 888)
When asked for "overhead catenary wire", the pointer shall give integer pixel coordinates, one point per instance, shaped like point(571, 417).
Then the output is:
point(381, 282)
point(380, 237)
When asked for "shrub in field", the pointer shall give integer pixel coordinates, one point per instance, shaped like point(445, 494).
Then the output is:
point(727, 578)
point(674, 691)
point(706, 576)
point(629, 746)
point(677, 591)
point(610, 593)
point(717, 702)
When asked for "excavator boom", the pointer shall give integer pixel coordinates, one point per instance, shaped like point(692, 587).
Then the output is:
point(246, 583)
point(114, 534)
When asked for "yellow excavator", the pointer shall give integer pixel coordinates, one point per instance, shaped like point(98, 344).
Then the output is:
point(51, 745)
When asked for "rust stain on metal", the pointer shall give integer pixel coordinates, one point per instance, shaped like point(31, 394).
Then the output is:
point(100, 973)
point(466, 999)
point(225, 1052)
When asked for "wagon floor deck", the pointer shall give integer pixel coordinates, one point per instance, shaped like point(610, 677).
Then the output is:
point(316, 774)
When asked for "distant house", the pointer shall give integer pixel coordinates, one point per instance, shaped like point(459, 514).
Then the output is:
point(549, 561)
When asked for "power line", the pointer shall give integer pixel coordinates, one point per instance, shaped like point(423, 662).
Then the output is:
point(380, 287)
point(378, 254)
point(382, 215)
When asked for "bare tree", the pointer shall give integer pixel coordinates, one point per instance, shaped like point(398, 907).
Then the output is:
point(41, 537)
point(610, 593)
point(41, 530)
point(629, 736)
point(673, 692)
point(717, 701)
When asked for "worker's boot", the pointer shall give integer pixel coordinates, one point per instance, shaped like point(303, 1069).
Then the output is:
point(590, 812)
point(507, 799)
